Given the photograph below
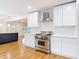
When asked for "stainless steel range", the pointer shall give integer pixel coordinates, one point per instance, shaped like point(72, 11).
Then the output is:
point(42, 42)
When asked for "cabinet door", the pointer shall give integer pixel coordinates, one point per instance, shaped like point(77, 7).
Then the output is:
point(57, 15)
point(69, 47)
point(32, 19)
point(56, 45)
point(69, 14)
point(29, 40)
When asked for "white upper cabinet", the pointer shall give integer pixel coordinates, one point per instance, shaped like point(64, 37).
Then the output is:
point(32, 19)
point(69, 14)
point(57, 15)
point(65, 15)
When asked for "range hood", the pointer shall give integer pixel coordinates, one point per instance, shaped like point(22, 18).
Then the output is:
point(46, 17)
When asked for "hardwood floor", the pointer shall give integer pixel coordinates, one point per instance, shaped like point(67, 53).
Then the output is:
point(16, 50)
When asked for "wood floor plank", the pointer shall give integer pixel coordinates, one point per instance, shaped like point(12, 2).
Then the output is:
point(14, 51)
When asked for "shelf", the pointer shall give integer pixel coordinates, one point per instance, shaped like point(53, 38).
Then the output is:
point(66, 26)
point(64, 36)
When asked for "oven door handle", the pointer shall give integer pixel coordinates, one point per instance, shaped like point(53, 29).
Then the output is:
point(41, 40)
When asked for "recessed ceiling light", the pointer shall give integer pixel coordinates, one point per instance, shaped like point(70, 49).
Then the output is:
point(29, 7)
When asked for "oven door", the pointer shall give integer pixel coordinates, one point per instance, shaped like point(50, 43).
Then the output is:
point(42, 43)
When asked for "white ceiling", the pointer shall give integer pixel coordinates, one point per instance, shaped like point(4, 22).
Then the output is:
point(19, 7)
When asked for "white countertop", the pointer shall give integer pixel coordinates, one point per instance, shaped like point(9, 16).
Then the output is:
point(64, 36)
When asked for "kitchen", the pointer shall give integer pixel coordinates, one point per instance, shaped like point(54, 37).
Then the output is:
point(60, 22)
point(46, 29)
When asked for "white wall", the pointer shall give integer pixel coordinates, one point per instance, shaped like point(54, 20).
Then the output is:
point(3, 22)
point(46, 26)
point(77, 5)
point(66, 31)
point(3, 28)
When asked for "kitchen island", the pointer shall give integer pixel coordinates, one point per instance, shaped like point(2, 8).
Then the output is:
point(8, 37)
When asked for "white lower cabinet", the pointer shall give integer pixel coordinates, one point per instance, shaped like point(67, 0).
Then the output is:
point(55, 45)
point(64, 46)
point(29, 40)
point(69, 47)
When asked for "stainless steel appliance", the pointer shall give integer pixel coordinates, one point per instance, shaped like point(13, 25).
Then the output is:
point(46, 17)
point(42, 42)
